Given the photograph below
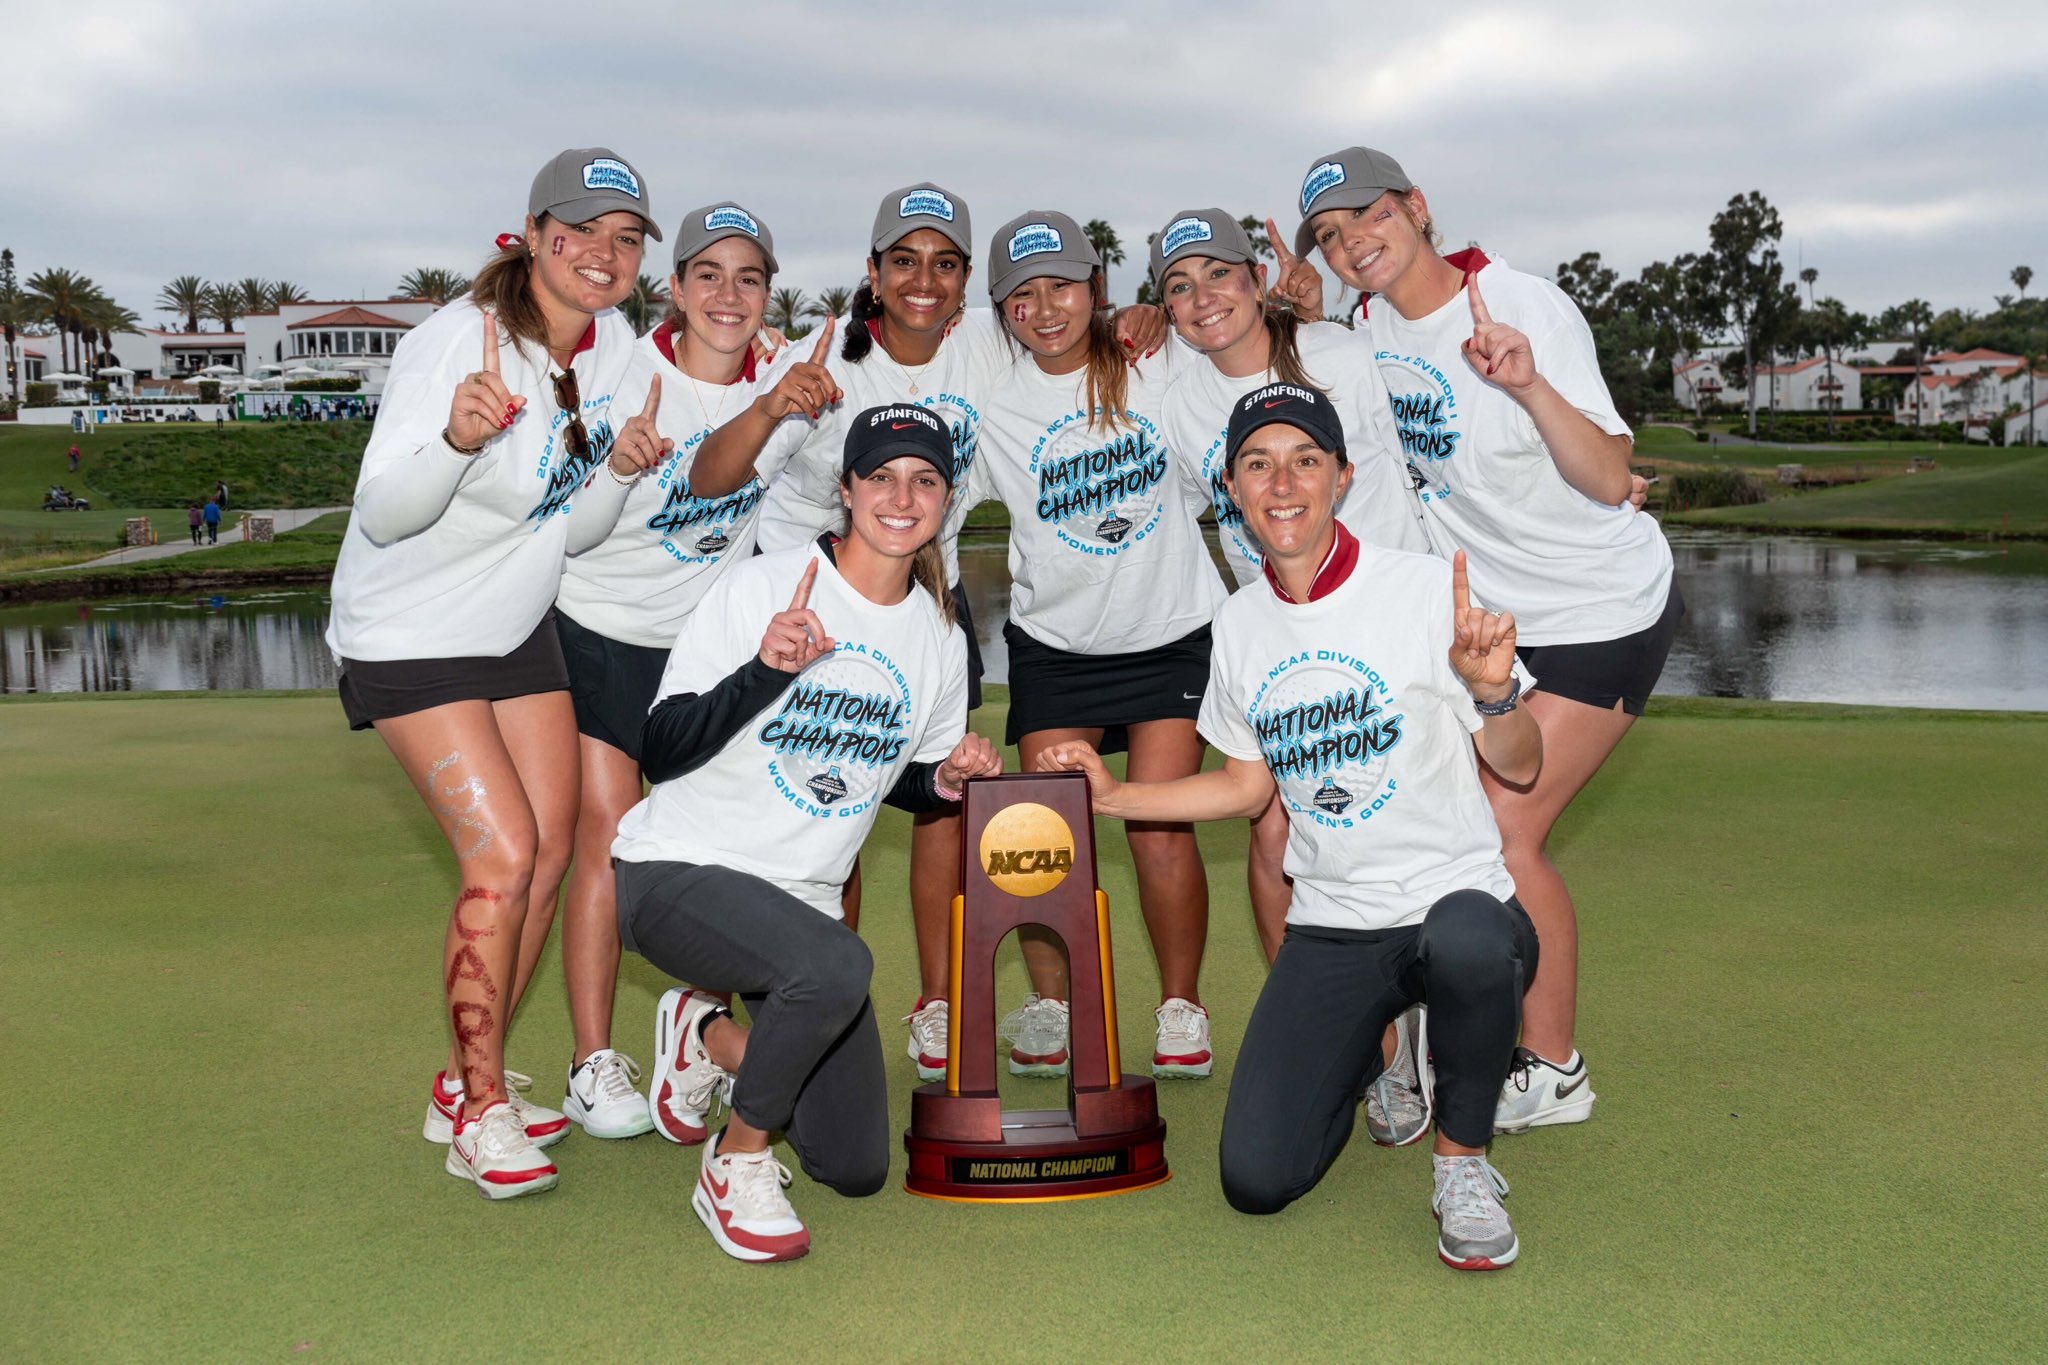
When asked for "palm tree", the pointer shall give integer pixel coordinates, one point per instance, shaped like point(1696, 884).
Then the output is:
point(59, 297)
point(224, 304)
point(831, 303)
point(255, 295)
point(15, 316)
point(1107, 245)
point(2022, 276)
point(433, 285)
point(643, 307)
point(283, 292)
point(103, 317)
point(1918, 315)
point(185, 295)
point(785, 307)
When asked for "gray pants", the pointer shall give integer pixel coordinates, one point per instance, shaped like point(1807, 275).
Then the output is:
point(1313, 1042)
point(813, 1067)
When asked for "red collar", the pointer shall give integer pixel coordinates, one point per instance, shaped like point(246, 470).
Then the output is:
point(1336, 568)
point(1469, 261)
point(588, 341)
point(665, 342)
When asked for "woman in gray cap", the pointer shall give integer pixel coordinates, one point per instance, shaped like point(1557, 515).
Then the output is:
point(623, 603)
point(1522, 462)
point(499, 410)
point(1112, 590)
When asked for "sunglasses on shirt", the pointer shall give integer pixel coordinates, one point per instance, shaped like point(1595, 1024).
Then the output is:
point(570, 401)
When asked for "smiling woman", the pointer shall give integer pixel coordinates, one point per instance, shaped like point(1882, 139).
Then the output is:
point(497, 413)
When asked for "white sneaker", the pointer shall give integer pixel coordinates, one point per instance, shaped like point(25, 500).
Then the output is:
point(1539, 1093)
point(494, 1151)
point(928, 1038)
point(601, 1096)
point(544, 1127)
point(1397, 1107)
point(1037, 1031)
point(1474, 1231)
point(1182, 1048)
point(740, 1199)
point(685, 1078)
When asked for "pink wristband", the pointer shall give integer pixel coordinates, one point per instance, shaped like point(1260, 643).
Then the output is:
point(944, 793)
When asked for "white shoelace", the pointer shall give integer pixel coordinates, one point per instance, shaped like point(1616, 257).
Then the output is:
point(928, 1026)
point(715, 1083)
point(757, 1181)
point(613, 1078)
point(1181, 1022)
point(500, 1132)
point(1469, 1192)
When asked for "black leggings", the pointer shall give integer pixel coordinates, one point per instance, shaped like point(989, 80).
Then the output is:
point(813, 1068)
point(1313, 1043)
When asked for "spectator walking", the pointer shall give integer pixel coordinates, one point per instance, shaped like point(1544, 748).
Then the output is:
point(212, 516)
point(194, 519)
point(71, 459)
point(220, 494)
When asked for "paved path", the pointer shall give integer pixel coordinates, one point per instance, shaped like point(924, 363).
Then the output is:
point(1727, 439)
point(174, 538)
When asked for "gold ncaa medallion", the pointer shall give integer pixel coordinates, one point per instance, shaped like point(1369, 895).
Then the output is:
point(1027, 849)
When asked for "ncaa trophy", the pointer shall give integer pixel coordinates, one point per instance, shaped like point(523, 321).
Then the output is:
point(1029, 858)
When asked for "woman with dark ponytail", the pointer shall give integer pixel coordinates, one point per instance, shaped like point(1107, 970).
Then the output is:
point(1112, 590)
point(442, 597)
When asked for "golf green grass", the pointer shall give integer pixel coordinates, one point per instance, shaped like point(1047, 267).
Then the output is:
point(1813, 984)
point(2008, 498)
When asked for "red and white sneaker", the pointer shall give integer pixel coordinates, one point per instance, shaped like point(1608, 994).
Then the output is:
point(544, 1127)
point(740, 1199)
point(928, 1038)
point(685, 1078)
point(494, 1151)
point(1182, 1048)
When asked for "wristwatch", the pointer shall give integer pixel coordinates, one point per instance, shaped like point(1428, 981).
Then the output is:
point(1504, 705)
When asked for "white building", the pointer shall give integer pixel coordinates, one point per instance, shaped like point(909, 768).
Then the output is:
point(1698, 383)
point(345, 336)
point(1811, 385)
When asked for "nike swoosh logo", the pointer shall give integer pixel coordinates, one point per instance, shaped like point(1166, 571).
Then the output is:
point(717, 1189)
point(1276, 402)
point(1564, 1090)
point(1191, 696)
point(901, 426)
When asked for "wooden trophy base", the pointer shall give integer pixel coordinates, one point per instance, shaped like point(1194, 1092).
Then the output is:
point(967, 1149)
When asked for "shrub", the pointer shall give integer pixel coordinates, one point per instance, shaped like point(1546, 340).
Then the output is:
point(1712, 488)
point(39, 395)
point(209, 390)
point(336, 384)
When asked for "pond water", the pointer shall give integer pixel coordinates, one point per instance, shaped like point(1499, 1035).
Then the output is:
point(1778, 617)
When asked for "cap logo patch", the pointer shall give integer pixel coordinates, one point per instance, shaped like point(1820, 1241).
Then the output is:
point(608, 174)
point(1034, 239)
point(1183, 232)
point(913, 414)
point(730, 217)
point(925, 203)
point(1327, 176)
point(1278, 393)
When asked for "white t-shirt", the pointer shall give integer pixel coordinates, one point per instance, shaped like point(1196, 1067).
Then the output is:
point(640, 582)
point(1352, 703)
point(1379, 507)
point(1106, 555)
point(791, 797)
point(956, 383)
point(1572, 570)
point(478, 580)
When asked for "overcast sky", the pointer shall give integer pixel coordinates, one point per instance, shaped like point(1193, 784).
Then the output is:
point(339, 145)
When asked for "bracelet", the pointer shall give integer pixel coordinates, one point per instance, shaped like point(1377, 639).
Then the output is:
point(1504, 705)
point(944, 793)
point(624, 483)
point(470, 452)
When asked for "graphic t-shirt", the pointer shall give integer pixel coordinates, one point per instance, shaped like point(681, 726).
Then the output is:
point(1106, 556)
point(1351, 702)
point(791, 797)
point(956, 383)
point(669, 546)
point(1378, 508)
point(1572, 570)
point(480, 578)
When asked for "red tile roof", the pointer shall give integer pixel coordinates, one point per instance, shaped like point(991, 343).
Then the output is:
point(349, 317)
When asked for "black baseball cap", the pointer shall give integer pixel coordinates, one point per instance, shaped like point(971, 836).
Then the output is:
point(880, 435)
point(1302, 408)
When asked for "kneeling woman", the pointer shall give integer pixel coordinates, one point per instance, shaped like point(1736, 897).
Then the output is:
point(771, 753)
point(1363, 685)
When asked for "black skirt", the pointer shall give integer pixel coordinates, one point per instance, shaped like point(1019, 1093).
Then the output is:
point(378, 689)
point(1052, 689)
point(611, 683)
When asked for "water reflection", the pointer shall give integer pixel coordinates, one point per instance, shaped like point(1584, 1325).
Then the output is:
point(1790, 618)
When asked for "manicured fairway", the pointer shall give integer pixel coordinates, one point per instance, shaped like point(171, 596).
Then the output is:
point(1816, 961)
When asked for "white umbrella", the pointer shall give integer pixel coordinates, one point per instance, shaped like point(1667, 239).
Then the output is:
point(355, 365)
point(63, 377)
point(220, 369)
point(302, 372)
point(114, 372)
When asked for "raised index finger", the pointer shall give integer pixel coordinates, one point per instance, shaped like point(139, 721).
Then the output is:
point(1280, 251)
point(803, 587)
point(490, 344)
point(823, 351)
point(1461, 591)
point(653, 407)
point(1479, 313)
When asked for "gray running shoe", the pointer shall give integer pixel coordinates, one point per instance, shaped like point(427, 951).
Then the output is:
point(1474, 1231)
point(1398, 1107)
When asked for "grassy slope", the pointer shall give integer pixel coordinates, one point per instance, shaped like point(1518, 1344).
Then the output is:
point(1814, 951)
point(2006, 499)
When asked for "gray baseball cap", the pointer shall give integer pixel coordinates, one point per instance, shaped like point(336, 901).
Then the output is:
point(1351, 179)
point(1199, 232)
point(714, 223)
point(1039, 243)
point(588, 182)
point(923, 205)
